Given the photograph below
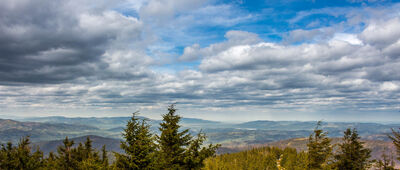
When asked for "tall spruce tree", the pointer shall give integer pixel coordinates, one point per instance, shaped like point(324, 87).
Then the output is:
point(172, 142)
point(139, 146)
point(177, 148)
point(65, 159)
point(319, 148)
point(104, 156)
point(87, 157)
point(351, 153)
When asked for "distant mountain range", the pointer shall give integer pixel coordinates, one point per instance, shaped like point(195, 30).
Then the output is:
point(112, 122)
point(11, 130)
point(42, 129)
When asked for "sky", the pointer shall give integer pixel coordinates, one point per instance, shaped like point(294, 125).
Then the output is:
point(236, 60)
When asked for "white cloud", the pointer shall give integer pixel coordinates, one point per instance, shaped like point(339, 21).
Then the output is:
point(191, 53)
point(233, 38)
point(389, 86)
point(349, 38)
point(381, 33)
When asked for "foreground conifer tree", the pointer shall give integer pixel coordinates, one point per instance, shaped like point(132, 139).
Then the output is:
point(172, 142)
point(319, 149)
point(178, 149)
point(65, 159)
point(352, 154)
point(20, 156)
point(139, 146)
point(104, 156)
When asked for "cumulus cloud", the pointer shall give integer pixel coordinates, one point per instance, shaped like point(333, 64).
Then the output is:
point(344, 67)
point(382, 33)
point(93, 57)
point(314, 35)
point(58, 42)
point(233, 38)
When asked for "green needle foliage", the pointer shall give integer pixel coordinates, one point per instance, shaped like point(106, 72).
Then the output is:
point(178, 149)
point(173, 149)
point(139, 146)
point(172, 142)
point(20, 156)
point(352, 154)
point(319, 149)
point(104, 156)
point(65, 159)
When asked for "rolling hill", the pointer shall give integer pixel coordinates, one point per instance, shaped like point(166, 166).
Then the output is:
point(11, 130)
point(97, 143)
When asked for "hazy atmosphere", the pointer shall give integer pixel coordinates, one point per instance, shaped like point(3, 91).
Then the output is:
point(217, 60)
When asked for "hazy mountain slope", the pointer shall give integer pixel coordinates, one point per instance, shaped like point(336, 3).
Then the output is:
point(99, 122)
point(11, 130)
point(334, 129)
point(241, 134)
point(117, 122)
point(97, 143)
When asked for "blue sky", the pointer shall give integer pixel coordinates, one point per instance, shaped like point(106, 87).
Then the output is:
point(219, 60)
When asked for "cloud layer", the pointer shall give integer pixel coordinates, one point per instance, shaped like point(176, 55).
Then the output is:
point(59, 57)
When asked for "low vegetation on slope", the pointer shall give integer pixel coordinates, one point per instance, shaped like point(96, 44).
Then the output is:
point(316, 152)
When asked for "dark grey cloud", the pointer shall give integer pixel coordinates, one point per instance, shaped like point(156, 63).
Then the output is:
point(57, 41)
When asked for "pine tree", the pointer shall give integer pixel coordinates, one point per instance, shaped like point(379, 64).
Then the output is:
point(178, 149)
point(86, 156)
point(172, 142)
point(196, 154)
point(351, 154)
point(20, 156)
point(88, 150)
point(319, 148)
point(139, 146)
point(104, 157)
point(51, 161)
point(65, 158)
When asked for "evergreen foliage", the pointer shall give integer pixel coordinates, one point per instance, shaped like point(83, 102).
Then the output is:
point(196, 154)
point(139, 146)
point(104, 156)
point(351, 154)
point(178, 149)
point(172, 142)
point(319, 149)
point(65, 159)
point(174, 149)
point(20, 156)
